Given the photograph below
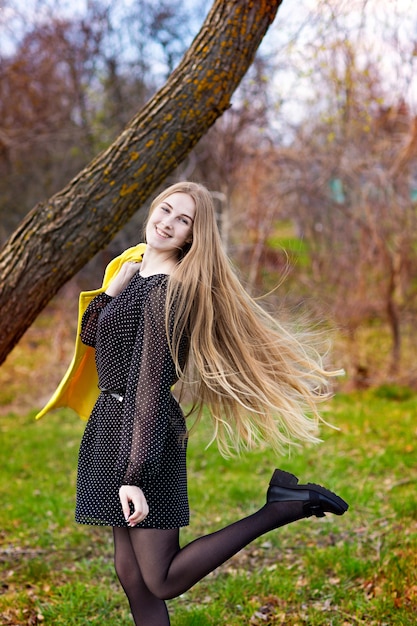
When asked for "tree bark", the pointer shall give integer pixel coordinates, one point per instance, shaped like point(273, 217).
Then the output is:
point(59, 236)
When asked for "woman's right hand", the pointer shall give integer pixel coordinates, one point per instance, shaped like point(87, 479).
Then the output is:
point(130, 494)
point(122, 278)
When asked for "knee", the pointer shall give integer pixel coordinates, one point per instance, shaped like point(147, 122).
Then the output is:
point(132, 579)
point(159, 588)
point(160, 592)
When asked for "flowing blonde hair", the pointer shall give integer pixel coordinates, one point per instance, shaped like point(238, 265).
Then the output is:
point(260, 381)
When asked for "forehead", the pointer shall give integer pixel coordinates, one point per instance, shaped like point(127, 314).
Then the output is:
point(181, 202)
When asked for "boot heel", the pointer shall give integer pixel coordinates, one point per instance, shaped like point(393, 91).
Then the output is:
point(283, 479)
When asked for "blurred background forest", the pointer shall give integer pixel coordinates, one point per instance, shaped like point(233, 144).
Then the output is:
point(314, 167)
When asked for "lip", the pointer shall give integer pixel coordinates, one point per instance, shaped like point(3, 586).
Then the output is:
point(161, 233)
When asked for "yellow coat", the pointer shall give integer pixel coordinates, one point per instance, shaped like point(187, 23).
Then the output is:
point(79, 387)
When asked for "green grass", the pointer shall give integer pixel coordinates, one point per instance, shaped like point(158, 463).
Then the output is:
point(357, 569)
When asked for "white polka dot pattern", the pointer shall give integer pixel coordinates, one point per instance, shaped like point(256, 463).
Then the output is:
point(142, 440)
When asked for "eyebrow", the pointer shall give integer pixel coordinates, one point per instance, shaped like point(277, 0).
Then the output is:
point(172, 208)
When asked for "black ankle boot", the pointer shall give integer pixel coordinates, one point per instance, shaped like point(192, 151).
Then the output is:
point(316, 499)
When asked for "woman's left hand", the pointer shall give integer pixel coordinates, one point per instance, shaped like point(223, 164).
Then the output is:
point(122, 278)
point(131, 494)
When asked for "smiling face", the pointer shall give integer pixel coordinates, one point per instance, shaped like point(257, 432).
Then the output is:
point(170, 224)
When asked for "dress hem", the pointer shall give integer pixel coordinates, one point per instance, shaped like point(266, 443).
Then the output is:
point(112, 525)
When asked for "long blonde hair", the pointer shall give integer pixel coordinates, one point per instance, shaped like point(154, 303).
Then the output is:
point(260, 381)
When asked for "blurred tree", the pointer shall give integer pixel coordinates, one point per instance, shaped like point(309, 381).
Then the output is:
point(45, 134)
point(59, 236)
point(61, 101)
point(352, 168)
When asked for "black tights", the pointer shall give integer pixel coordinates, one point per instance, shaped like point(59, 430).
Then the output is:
point(152, 567)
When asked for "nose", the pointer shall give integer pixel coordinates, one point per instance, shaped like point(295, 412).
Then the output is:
point(166, 221)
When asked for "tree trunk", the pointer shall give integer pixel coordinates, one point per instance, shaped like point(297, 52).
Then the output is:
point(59, 236)
point(393, 323)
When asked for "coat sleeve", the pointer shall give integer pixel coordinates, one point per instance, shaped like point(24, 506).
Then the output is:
point(148, 395)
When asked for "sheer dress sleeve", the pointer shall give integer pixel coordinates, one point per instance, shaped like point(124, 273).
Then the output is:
point(89, 321)
point(149, 404)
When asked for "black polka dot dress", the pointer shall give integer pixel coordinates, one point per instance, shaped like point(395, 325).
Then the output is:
point(139, 440)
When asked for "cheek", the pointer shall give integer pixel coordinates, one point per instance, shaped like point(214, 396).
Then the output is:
point(149, 228)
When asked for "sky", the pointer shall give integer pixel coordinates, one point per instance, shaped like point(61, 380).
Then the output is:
point(386, 33)
point(290, 39)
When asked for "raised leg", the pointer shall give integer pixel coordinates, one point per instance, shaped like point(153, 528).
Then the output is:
point(169, 570)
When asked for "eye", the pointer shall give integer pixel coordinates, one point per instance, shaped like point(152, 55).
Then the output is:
point(165, 209)
point(185, 220)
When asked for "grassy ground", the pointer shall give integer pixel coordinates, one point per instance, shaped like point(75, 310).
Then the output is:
point(357, 569)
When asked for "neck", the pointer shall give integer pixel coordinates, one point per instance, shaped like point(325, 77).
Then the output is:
point(155, 262)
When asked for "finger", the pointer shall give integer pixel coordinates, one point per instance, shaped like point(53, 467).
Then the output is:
point(125, 505)
point(133, 265)
point(139, 514)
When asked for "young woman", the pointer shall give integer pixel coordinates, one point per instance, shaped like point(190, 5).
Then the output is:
point(182, 314)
